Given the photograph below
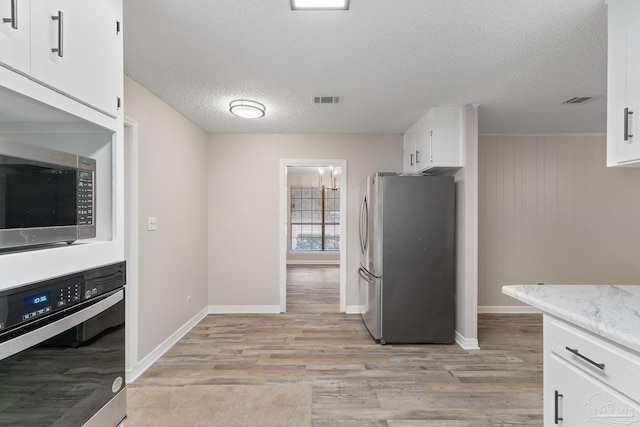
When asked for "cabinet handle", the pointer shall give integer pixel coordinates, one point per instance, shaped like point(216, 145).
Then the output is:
point(60, 18)
point(417, 160)
point(14, 15)
point(411, 163)
point(431, 146)
point(556, 418)
point(577, 353)
point(627, 112)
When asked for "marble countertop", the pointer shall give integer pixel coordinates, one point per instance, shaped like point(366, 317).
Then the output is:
point(611, 311)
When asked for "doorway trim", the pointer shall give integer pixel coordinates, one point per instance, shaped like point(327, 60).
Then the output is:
point(131, 144)
point(283, 230)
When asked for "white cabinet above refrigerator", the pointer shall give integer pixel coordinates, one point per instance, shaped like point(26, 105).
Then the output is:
point(434, 142)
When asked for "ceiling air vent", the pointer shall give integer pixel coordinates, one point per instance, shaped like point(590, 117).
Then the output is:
point(578, 100)
point(327, 99)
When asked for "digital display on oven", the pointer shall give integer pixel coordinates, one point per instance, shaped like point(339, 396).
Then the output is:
point(37, 299)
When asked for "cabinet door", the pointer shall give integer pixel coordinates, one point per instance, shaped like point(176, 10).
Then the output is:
point(409, 156)
point(582, 400)
point(98, 45)
point(14, 34)
point(633, 83)
point(88, 34)
point(445, 137)
point(52, 62)
point(623, 87)
point(423, 127)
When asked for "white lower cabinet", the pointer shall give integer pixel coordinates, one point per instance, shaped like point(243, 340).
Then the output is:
point(588, 381)
point(573, 398)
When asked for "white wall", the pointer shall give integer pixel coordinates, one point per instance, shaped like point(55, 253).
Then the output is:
point(551, 211)
point(172, 171)
point(244, 206)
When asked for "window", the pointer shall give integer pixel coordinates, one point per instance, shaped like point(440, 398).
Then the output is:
point(315, 219)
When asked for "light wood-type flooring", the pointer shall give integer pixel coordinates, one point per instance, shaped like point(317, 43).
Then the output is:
point(355, 380)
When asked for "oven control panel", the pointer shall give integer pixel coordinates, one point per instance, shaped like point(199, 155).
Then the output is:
point(35, 302)
point(27, 303)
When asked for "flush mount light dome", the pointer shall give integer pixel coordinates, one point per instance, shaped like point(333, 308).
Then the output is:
point(319, 4)
point(247, 108)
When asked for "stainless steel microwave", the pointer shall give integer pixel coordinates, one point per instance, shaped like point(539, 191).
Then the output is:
point(46, 196)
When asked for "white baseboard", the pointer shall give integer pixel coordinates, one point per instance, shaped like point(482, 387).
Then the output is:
point(353, 309)
point(313, 262)
point(151, 358)
point(508, 309)
point(467, 343)
point(244, 309)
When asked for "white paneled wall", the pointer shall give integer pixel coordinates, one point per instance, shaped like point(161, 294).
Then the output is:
point(551, 211)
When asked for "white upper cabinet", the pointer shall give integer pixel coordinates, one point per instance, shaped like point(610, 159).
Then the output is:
point(98, 68)
point(438, 140)
point(409, 162)
point(52, 28)
point(422, 129)
point(623, 89)
point(15, 34)
point(71, 46)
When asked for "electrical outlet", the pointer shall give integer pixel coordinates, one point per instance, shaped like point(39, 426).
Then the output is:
point(188, 300)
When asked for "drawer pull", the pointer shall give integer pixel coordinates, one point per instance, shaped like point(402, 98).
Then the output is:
point(585, 358)
point(556, 417)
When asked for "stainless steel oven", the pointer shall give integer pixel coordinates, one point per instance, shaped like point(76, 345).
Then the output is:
point(62, 352)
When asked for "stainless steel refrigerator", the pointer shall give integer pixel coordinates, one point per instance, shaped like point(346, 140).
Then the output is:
point(407, 258)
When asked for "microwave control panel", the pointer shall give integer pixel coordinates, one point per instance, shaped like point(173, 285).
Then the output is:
point(85, 197)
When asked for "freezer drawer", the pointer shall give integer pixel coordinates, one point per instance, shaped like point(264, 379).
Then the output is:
point(370, 296)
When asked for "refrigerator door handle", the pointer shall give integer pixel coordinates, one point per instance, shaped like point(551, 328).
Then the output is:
point(364, 275)
point(364, 225)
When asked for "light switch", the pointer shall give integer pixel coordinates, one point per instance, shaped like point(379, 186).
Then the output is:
point(152, 224)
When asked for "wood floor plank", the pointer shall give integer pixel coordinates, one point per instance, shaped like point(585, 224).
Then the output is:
point(356, 381)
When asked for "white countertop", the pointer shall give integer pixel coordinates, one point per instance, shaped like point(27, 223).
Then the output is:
point(612, 312)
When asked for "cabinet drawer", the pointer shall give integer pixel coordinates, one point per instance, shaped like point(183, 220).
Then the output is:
point(573, 398)
point(619, 368)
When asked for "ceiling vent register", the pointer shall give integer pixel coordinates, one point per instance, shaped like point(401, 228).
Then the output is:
point(578, 100)
point(327, 99)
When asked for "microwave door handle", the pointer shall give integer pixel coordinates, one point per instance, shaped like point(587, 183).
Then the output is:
point(30, 339)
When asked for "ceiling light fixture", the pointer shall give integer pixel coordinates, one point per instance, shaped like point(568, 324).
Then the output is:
point(319, 4)
point(247, 109)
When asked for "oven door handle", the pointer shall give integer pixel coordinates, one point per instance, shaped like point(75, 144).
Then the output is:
point(30, 339)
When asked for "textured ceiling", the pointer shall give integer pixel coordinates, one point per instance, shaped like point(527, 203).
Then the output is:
point(391, 61)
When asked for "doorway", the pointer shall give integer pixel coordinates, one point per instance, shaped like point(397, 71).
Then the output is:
point(313, 234)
